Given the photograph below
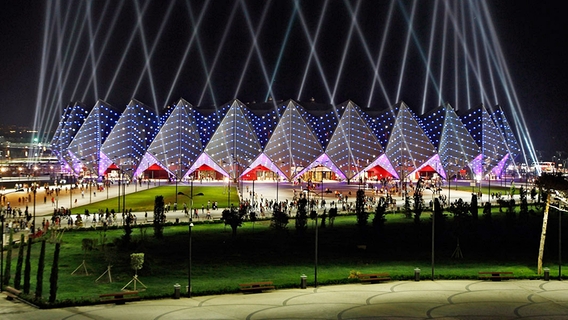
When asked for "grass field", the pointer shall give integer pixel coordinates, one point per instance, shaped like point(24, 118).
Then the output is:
point(143, 200)
point(220, 263)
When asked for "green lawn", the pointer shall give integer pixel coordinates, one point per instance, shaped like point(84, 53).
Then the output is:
point(220, 263)
point(143, 200)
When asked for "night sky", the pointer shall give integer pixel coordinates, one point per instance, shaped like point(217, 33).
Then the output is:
point(531, 35)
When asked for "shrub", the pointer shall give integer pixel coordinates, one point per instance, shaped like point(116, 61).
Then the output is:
point(28, 268)
point(54, 274)
point(7, 274)
point(18, 276)
point(159, 217)
point(40, 267)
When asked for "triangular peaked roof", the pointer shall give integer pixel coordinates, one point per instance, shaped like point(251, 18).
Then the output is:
point(178, 144)
point(353, 144)
point(86, 146)
point(485, 133)
point(384, 163)
point(234, 144)
point(130, 138)
point(408, 148)
point(457, 148)
point(55, 146)
point(325, 161)
point(70, 125)
point(511, 142)
point(293, 144)
point(264, 161)
point(204, 159)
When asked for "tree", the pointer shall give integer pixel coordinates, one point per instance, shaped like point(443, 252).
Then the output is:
point(418, 206)
point(460, 210)
point(302, 216)
point(549, 183)
point(406, 209)
point(234, 218)
point(533, 193)
point(253, 219)
point(524, 207)
point(487, 211)
point(19, 264)
point(473, 207)
point(379, 218)
point(332, 214)
point(440, 217)
point(279, 220)
point(28, 268)
point(54, 274)
point(512, 189)
point(362, 214)
point(40, 267)
point(8, 268)
point(127, 230)
point(159, 217)
point(323, 217)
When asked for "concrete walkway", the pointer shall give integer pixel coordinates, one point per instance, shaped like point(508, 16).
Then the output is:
point(445, 299)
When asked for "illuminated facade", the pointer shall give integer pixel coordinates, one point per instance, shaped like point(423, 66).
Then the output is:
point(284, 140)
point(71, 121)
point(84, 151)
point(130, 138)
point(494, 153)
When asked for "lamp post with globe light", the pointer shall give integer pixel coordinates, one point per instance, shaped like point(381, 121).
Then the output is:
point(190, 237)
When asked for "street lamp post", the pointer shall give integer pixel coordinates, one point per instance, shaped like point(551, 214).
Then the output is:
point(123, 195)
point(189, 263)
point(229, 192)
point(449, 178)
point(34, 190)
point(57, 191)
point(433, 237)
point(2, 250)
point(177, 177)
point(189, 231)
point(560, 210)
point(191, 201)
point(316, 249)
point(489, 190)
point(119, 182)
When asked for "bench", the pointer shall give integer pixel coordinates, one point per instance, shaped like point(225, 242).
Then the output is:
point(374, 277)
point(11, 293)
point(496, 275)
point(119, 297)
point(256, 286)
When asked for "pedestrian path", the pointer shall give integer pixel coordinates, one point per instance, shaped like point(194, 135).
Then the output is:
point(444, 299)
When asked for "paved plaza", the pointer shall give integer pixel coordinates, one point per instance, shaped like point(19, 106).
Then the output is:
point(444, 299)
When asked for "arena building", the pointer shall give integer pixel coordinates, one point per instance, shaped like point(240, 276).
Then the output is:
point(285, 140)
